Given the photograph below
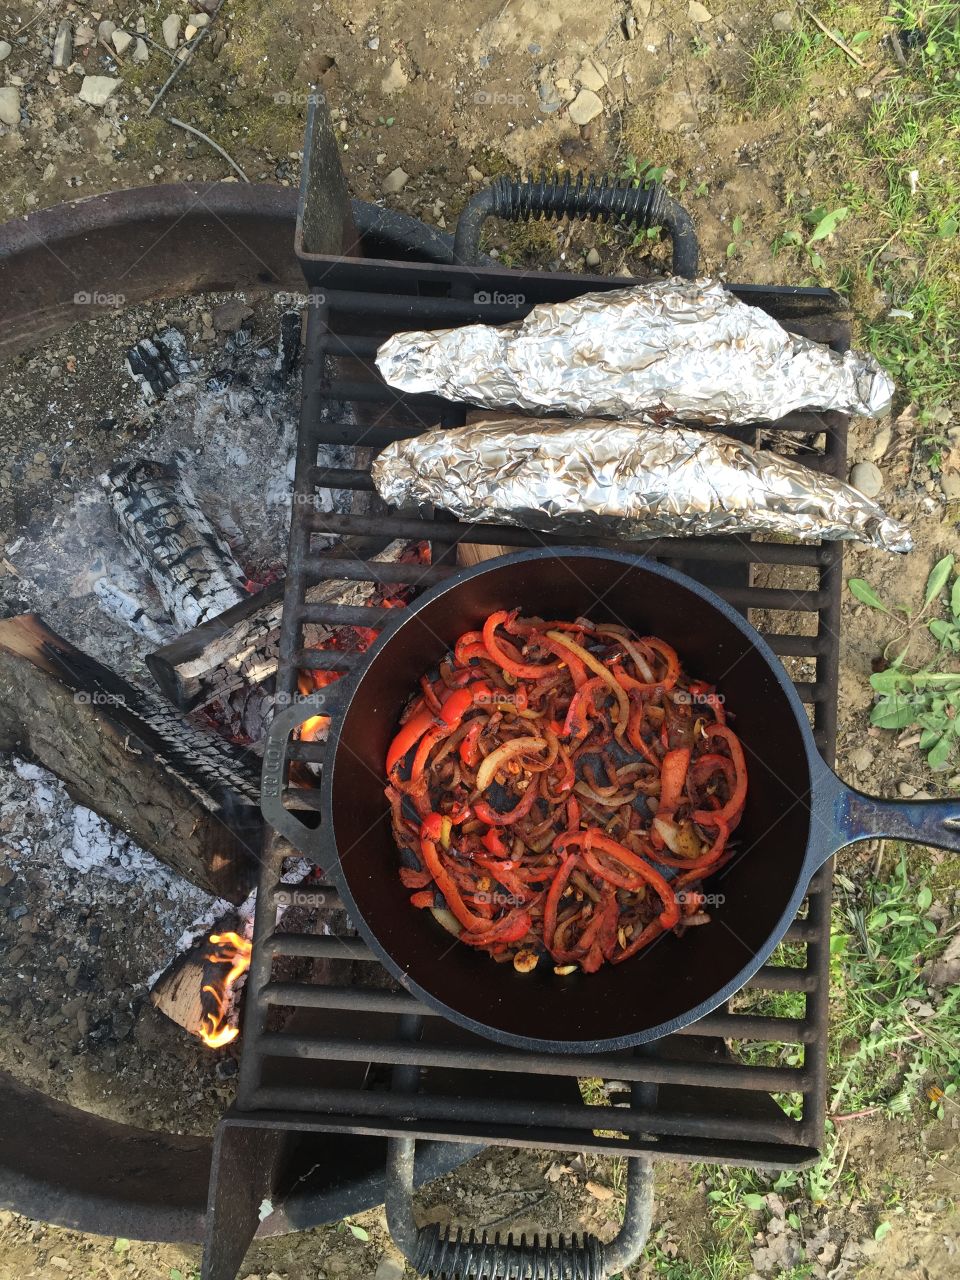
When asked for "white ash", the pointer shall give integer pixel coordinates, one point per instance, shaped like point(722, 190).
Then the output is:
point(43, 830)
point(230, 423)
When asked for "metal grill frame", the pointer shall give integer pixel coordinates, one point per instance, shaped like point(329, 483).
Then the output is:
point(701, 1104)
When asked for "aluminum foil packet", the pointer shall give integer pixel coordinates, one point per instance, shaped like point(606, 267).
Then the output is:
point(625, 480)
point(687, 349)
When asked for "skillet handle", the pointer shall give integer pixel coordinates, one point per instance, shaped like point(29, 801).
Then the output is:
point(277, 753)
point(842, 816)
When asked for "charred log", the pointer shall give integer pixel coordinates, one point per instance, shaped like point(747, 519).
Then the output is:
point(161, 522)
point(241, 646)
point(188, 797)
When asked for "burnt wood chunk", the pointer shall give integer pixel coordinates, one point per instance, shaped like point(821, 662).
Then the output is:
point(241, 646)
point(161, 522)
point(187, 796)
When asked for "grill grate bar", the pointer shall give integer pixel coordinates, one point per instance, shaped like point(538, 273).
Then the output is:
point(735, 1026)
point(578, 1118)
point(651, 1070)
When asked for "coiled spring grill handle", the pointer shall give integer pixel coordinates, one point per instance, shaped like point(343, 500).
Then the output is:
point(581, 197)
point(454, 1255)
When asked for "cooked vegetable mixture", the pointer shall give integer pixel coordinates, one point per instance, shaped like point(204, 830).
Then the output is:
point(560, 789)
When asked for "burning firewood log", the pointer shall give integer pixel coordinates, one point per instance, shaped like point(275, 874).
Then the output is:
point(199, 989)
point(161, 522)
point(188, 797)
point(241, 646)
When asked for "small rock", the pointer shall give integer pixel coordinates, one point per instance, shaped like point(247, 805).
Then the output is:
point(585, 107)
point(395, 79)
point(60, 1263)
point(599, 1191)
point(170, 27)
point(861, 758)
point(880, 443)
point(549, 99)
point(782, 21)
point(867, 477)
point(373, 42)
point(63, 46)
point(199, 20)
point(395, 182)
point(863, 91)
point(121, 40)
point(949, 480)
point(84, 35)
point(593, 258)
point(189, 32)
point(906, 790)
point(140, 51)
point(9, 105)
point(592, 76)
point(389, 1268)
point(474, 174)
point(97, 89)
point(698, 12)
point(630, 26)
point(6, 48)
point(228, 317)
point(105, 30)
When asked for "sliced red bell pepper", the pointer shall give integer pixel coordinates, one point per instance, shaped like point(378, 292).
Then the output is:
point(522, 670)
point(673, 777)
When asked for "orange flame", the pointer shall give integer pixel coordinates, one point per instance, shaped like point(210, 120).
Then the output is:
point(234, 950)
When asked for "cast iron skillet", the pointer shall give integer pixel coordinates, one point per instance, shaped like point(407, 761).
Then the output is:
point(798, 812)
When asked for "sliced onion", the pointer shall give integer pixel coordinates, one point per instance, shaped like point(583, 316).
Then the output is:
point(496, 759)
point(682, 840)
point(448, 920)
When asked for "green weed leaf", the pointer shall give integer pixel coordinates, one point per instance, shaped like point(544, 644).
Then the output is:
point(883, 1230)
point(121, 1244)
point(828, 224)
point(939, 575)
point(753, 1201)
point(955, 599)
point(924, 898)
point(889, 681)
point(940, 754)
point(893, 713)
point(360, 1233)
point(863, 591)
point(942, 631)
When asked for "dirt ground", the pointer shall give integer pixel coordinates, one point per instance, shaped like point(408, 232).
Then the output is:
point(430, 103)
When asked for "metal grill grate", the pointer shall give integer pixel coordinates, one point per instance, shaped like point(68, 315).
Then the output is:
point(703, 1103)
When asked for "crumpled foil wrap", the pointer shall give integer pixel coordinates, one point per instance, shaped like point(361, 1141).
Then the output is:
point(625, 480)
point(686, 348)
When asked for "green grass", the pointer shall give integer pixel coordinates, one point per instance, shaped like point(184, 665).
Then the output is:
point(893, 162)
point(890, 1037)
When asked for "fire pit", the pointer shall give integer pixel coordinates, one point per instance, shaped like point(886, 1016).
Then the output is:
point(59, 1162)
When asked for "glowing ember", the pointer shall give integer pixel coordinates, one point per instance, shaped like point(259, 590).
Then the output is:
point(232, 950)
